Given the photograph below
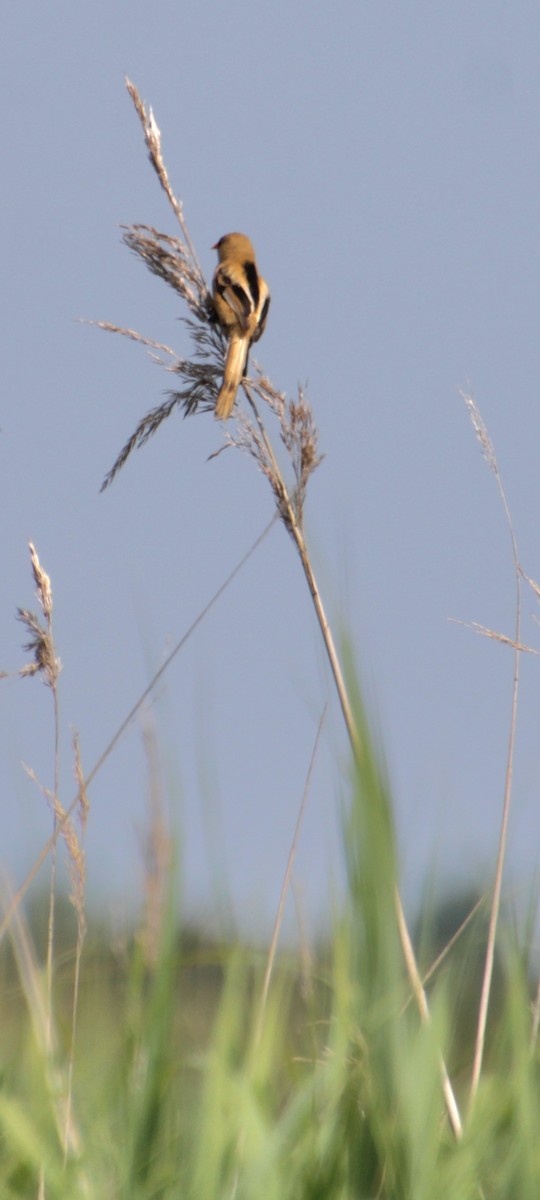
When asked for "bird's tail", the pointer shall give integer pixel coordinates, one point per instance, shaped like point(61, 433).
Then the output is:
point(235, 365)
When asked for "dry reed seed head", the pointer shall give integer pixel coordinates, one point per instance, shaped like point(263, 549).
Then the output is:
point(150, 126)
point(175, 261)
point(170, 259)
point(83, 805)
point(154, 132)
point(300, 437)
point(532, 583)
point(41, 645)
point(249, 439)
point(264, 388)
point(480, 430)
point(43, 583)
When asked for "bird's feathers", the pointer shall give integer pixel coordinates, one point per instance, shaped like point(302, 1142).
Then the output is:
point(241, 300)
point(235, 366)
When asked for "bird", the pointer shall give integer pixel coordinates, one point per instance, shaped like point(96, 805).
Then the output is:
point(241, 301)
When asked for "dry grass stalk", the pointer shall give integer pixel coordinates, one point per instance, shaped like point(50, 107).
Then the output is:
point(496, 637)
point(65, 826)
point(45, 661)
point(157, 853)
point(443, 955)
point(491, 459)
point(76, 855)
point(285, 887)
point(423, 1008)
point(77, 861)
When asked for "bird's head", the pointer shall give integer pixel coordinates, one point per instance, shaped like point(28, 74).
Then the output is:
point(234, 245)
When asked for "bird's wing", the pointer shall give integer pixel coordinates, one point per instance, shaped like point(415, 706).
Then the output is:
point(232, 296)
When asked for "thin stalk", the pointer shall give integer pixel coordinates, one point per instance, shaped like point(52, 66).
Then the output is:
point(298, 537)
point(284, 889)
point(497, 886)
point(488, 452)
point(288, 511)
point(423, 1008)
point(52, 881)
point(503, 835)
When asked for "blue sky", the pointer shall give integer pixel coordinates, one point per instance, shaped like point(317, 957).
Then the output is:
point(384, 159)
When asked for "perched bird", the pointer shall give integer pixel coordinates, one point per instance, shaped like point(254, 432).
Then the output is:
point(241, 300)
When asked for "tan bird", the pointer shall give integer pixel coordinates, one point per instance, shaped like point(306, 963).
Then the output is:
point(241, 300)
